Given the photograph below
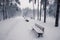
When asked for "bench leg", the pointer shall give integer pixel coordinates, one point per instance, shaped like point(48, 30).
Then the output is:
point(33, 29)
point(40, 34)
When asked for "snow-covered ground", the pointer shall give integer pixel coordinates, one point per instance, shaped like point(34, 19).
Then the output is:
point(18, 29)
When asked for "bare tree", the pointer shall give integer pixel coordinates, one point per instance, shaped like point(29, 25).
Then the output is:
point(4, 14)
point(17, 1)
point(45, 11)
point(40, 9)
point(44, 3)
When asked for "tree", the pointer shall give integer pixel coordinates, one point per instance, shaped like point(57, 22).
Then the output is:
point(40, 9)
point(30, 1)
point(4, 14)
point(45, 12)
point(17, 1)
point(53, 8)
point(57, 13)
point(44, 3)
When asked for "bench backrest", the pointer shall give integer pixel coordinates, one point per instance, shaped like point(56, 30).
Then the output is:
point(42, 28)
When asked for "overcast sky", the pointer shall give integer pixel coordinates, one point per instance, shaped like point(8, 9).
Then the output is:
point(25, 3)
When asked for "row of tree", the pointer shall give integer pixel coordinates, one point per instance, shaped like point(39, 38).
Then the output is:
point(45, 3)
point(7, 3)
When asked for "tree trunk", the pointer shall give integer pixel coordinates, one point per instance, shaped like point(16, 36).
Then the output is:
point(44, 11)
point(40, 10)
point(3, 10)
point(33, 10)
point(57, 14)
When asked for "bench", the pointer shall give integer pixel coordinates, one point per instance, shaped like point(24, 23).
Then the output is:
point(42, 28)
point(39, 30)
point(27, 20)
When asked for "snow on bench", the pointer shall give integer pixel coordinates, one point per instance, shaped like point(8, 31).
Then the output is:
point(42, 28)
point(27, 20)
point(39, 30)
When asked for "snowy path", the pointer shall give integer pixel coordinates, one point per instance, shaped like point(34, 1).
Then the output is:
point(18, 29)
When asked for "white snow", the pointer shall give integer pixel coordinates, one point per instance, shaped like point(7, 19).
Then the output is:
point(18, 29)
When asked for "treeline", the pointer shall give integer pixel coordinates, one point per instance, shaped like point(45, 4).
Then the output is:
point(8, 8)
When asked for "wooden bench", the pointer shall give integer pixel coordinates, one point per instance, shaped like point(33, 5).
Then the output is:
point(42, 28)
point(27, 20)
point(39, 30)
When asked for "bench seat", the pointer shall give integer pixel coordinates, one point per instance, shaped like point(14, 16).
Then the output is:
point(38, 30)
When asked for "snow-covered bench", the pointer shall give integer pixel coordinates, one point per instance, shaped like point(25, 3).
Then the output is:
point(27, 20)
point(39, 30)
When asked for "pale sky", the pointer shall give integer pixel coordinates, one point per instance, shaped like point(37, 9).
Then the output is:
point(25, 3)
